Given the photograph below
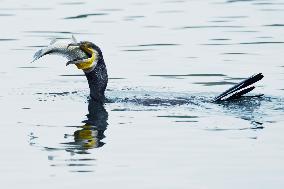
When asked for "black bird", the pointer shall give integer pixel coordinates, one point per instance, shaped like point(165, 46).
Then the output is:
point(88, 57)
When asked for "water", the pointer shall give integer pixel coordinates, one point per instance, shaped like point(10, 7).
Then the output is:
point(166, 60)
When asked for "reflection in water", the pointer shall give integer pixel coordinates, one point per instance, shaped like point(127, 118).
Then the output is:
point(247, 109)
point(91, 134)
point(85, 15)
point(254, 110)
point(159, 63)
point(86, 137)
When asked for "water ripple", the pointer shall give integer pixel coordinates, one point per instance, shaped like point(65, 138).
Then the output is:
point(85, 15)
point(188, 75)
point(7, 14)
point(274, 25)
point(158, 44)
point(211, 26)
point(261, 42)
point(73, 3)
point(7, 39)
point(215, 83)
point(236, 1)
point(138, 50)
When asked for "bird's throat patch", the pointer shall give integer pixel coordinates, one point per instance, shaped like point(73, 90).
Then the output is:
point(84, 65)
point(89, 62)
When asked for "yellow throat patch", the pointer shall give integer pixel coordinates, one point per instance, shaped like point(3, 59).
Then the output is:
point(89, 62)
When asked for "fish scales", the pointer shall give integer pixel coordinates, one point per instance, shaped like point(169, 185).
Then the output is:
point(62, 48)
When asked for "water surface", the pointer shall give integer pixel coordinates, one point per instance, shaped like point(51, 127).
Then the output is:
point(166, 61)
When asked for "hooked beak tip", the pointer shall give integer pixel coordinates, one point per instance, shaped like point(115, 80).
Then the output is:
point(70, 62)
point(72, 44)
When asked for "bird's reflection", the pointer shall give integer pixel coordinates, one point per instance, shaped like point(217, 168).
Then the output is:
point(88, 136)
point(92, 132)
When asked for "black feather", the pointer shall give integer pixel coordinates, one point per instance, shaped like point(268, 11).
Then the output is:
point(239, 89)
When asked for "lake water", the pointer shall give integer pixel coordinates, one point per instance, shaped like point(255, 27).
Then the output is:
point(159, 54)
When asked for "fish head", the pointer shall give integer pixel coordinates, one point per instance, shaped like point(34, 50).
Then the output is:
point(93, 52)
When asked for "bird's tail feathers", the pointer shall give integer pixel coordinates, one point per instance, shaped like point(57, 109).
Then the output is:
point(239, 89)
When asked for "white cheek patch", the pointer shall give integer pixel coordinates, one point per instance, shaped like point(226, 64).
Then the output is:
point(95, 59)
point(89, 70)
point(92, 67)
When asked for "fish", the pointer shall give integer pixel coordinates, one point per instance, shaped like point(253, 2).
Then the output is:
point(65, 48)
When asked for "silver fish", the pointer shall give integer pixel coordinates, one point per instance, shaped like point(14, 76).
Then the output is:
point(66, 49)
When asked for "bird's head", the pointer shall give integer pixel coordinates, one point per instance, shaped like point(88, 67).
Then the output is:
point(93, 52)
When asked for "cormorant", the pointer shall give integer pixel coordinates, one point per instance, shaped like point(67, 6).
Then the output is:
point(88, 57)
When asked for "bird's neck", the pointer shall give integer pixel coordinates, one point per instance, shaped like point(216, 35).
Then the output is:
point(97, 80)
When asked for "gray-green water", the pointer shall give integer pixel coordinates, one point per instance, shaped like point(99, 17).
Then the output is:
point(159, 54)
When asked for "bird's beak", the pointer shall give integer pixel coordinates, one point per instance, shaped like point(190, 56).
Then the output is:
point(73, 45)
point(88, 63)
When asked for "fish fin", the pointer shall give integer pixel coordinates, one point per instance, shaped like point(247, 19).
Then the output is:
point(53, 41)
point(239, 89)
point(40, 53)
point(37, 55)
point(74, 39)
